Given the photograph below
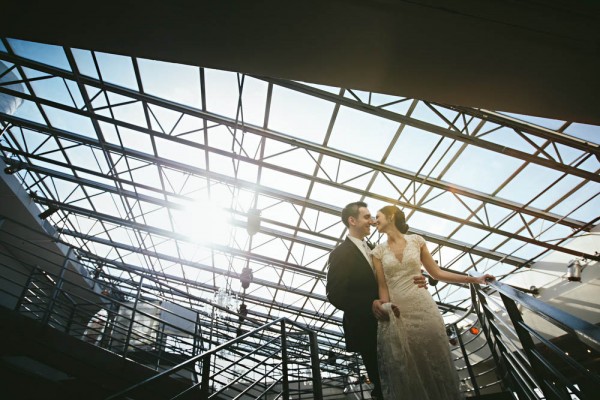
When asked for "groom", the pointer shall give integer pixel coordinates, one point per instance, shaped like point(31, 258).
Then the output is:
point(352, 288)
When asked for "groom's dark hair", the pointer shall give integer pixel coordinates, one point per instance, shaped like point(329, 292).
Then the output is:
point(351, 210)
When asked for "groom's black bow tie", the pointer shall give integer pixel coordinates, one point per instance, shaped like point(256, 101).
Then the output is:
point(371, 245)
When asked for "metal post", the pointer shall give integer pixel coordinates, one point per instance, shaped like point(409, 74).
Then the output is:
point(197, 345)
point(205, 384)
point(160, 342)
point(360, 382)
point(484, 315)
point(70, 321)
point(57, 288)
point(135, 303)
point(546, 386)
point(467, 362)
point(284, 361)
point(315, 366)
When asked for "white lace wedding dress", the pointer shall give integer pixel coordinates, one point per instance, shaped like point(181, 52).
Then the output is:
point(414, 356)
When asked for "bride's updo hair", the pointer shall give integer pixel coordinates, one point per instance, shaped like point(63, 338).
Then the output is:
point(393, 213)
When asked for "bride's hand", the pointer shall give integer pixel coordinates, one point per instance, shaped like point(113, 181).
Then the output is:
point(378, 311)
point(484, 279)
point(387, 307)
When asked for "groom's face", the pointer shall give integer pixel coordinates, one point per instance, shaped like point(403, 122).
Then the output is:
point(363, 222)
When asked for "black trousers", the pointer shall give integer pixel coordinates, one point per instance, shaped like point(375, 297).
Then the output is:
point(369, 356)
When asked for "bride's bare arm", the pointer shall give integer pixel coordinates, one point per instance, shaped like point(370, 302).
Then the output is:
point(384, 294)
point(437, 273)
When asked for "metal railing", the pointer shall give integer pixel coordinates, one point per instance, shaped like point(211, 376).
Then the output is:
point(131, 314)
point(261, 363)
point(215, 351)
point(533, 365)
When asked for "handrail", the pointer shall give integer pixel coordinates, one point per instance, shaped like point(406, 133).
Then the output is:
point(541, 370)
point(199, 357)
point(586, 332)
point(207, 355)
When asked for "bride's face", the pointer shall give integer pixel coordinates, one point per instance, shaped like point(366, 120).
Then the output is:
point(381, 222)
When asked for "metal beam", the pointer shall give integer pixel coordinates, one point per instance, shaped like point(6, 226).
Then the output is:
point(426, 126)
point(261, 189)
point(305, 144)
point(440, 240)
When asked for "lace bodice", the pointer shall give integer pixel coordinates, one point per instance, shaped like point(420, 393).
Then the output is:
point(399, 273)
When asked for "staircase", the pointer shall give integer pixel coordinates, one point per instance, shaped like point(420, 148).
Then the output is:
point(39, 362)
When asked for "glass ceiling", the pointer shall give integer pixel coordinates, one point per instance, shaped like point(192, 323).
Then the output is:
point(156, 165)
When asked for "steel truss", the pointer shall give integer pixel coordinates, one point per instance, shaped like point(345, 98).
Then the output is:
point(42, 170)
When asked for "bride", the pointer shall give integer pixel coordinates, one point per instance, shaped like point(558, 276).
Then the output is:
point(414, 357)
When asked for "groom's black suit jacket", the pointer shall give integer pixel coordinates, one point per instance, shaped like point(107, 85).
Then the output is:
point(352, 287)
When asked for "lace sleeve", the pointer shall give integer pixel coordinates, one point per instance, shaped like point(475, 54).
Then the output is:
point(420, 241)
point(377, 252)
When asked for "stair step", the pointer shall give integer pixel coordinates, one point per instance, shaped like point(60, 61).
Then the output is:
point(494, 396)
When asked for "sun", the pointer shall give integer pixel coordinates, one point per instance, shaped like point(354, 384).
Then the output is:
point(205, 221)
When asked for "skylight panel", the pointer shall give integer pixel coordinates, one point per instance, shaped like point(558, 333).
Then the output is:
point(443, 117)
point(469, 235)
point(163, 120)
point(30, 111)
point(529, 251)
point(70, 122)
point(190, 128)
point(55, 90)
point(135, 140)
point(132, 113)
point(363, 134)
point(167, 248)
point(481, 170)
point(308, 256)
point(583, 204)
point(175, 82)
point(506, 136)
point(533, 179)
point(222, 92)
point(299, 115)
point(332, 195)
point(85, 62)
point(340, 171)
point(412, 149)
point(491, 241)
point(266, 273)
point(590, 133)
point(147, 175)
point(117, 70)
point(447, 203)
point(430, 223)
point(43, 53)
point(540, 121)
point(179, 152)
point(592, 164)
point(254, 101)
point(286, 183)
point(299, 159)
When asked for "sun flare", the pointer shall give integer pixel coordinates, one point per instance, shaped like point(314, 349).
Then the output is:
point(205, 221)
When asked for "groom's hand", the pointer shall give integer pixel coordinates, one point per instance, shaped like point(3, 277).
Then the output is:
point(378, 311)
point(420, 281)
